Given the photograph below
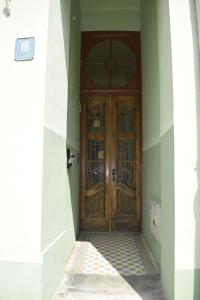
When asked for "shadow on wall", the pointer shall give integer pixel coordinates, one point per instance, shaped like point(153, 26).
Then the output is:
point(73, 181)
point(73, 172)
point(196, 44)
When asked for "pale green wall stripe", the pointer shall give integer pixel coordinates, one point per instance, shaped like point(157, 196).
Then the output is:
point(167, 213)
point(61, 186)
point(54, 187)
point(59, 214)
point(187, 284)
point(151, 189)
point(53, 266)
point(108, 20)
point(151, 118)
point(153, 143)
point(20, 281)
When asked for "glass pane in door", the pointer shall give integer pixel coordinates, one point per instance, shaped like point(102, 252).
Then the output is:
point(95, 182)
point(126, 158)
point(95, 64)
point(125, 67)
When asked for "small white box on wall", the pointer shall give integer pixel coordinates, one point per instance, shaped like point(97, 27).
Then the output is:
point(155, 213)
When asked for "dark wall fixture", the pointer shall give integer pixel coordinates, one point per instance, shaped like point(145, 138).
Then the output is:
point(70, 157)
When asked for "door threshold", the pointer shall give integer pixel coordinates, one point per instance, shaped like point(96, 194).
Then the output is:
point(110, 232)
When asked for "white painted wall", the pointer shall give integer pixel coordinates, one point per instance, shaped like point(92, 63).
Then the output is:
point(164, 44)
point(179, 96)
point(150, 84)
point(57, 67)
point(60, 186)
point(22, 93)
point(185, 132)
point(151, 119)
point(56, 100)
point(38, 214)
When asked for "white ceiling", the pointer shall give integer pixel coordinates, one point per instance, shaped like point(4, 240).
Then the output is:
point(110, 4)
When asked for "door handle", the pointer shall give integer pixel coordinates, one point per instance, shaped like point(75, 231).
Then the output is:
point(114, 174)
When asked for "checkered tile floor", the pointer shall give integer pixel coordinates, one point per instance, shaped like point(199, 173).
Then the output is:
point(111, 254)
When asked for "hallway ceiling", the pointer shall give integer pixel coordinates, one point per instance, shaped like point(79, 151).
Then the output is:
point(110, 4)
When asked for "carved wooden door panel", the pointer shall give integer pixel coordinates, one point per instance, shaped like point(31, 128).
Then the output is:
point(94, 192)
point(125, 164)
point(110, 189)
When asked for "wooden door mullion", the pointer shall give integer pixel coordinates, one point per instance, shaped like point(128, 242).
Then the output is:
point(107, 162)
point(138, 160)
point(110, 141)
point(113, 161)
point(83, 162)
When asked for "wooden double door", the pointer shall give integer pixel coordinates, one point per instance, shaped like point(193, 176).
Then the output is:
point(111, 163)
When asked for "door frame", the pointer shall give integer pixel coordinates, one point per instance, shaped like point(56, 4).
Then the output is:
point(135, 92)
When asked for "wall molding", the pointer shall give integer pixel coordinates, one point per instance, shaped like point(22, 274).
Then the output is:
point(111, 4)
point(156, 141)
point(124, 8)
point(153, 143)
point(60, 236)
point(59, 135)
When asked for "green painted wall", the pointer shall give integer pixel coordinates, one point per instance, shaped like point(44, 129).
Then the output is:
point(187, 284)
point(60, 209)
point(58, 220)
point(165, 66)
point(95, 20)
point(187, 183)
point(151, 190)
point(110, 15)
point(150, 74)
point(73, 112)
point(151, 118)
point(158, 156)
point(58, 235)
point(180, 259)
point(167, 149)
point(196, 41)
point(167, 214)
point(73, 109)
point(20, 281)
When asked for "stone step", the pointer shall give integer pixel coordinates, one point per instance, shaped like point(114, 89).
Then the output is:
point(76, 286)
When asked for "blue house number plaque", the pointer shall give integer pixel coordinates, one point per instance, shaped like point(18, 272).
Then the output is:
point(24, 49)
